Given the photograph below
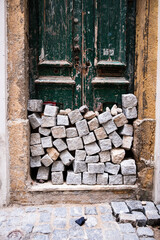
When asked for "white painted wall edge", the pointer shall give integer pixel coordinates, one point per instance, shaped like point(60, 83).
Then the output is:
point(4, 162)
point(156, 192)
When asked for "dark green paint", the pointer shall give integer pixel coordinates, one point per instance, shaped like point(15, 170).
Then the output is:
point(71, 38)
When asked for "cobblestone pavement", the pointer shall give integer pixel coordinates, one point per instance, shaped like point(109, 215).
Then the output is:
point(130, 220)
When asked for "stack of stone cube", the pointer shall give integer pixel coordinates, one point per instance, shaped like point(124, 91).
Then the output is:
point(90, 147)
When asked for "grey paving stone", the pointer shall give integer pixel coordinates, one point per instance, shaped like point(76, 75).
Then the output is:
point(105, 156)
point(89, 138)
point(107, 217)
point(92, 148)
point(30, 218)
point(128, 167)
point(71, 132)
point(35, 120)
point(135, 205)
point(82, 127)
point(35, 162)
point(130, 236)
point(46, 142)
point(74, 143)
point(113, 234)
point(130, 113)
point(80, 155)
point(60, 145)
point(75, 116)
point(35, 139)
point(73, 178)
point(40, 237)
point(66, 157)
point(90, 210)
point(30, 209)
point(91, 222)
point(94, 234)
point(37, 150)
point(57, 166)
point(59, 222)
point(79, 166)
point(126, 228)
point(127, 130)
point(48, 122)
point(141, 219)
point(60, 234)
point(149, 206)
point(57, 178)
point(84, 109)
point(129, 100)
point(104, 117)
point(145, 232)
point(62, 120)
point(53, 153)
point(92, 159)
point(27, 228)
point(96, 167)
point(76, 232)
point(43, 173)
point(147, 238)
point(119, 207)
point(45, 228)
point(45, 217)
point(105, 144)
point(51, 111)
point(105, 209)
point(116, 139)
point(129, 180)
point(153, 218)
point(35, 105)
point(115, 179)
point(109, 126)
point(127, 218)
point(60, 212)
point(102, 179)
point(44, 131)
point(89, 178)
point(112, 168)
point(76, 211)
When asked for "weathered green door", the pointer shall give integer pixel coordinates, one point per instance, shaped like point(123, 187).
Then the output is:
point(81, 51)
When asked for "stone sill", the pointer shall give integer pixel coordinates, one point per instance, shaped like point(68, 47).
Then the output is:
point(49, 187)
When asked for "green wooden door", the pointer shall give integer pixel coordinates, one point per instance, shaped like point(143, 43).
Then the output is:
point(81, 51)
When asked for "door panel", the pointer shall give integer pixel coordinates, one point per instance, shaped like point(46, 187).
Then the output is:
point(81, 51)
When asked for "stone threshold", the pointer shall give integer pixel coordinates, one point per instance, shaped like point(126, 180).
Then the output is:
point(49, 187)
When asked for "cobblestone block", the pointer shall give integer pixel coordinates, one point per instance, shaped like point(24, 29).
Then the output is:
point(79, 166)
point(145, 232)
point(45, 228)
point(65, 112)
point(46, 160)
point(149, 206)
point(57, 166)
point(82, 128)
point(57, 178)
point(105, 156)
point(129, 180)
point(35, 120)
point(117, 155)
point(112, 168)
point(46, 142)
point(127, 130)
point(105, 208)
point(66, 157)
point(91, 222)
point(53, 153)
point(73, 178)
point(102, 179)
point(105, 144)
point(37, 150)
point(129, 100)
point(100, 133)
point(74, 143)
point(113, 234)
point(153, 218)
point(83, 109)
point(141, 219)
point(120, 120)
point(76, 211)
point(89, 178)
point(60, 145)
point(90, 138)
point(90, 210)
point(119, 207)
point(93, 124)
point(92, 148)
point(75, 116)
point(58, 132)
point(115, 139)
point(135, 205)
point(43, 173)
point(60, 212)
point(80, 155)
point(35, 105)
point(128, 167)
point(96, 167)
point(130, 113)
point(71, 132)
point(94, 234)
point(127, 142)
point(60, 234)
point(115, 179)
point(89, 115)
point(130, 236)
point(51, 111)
point(127, 218)
point(126, 228)
point(104, 117)
point(62, 120)
point(35, 161)
point(109, 126)
point(92, 159)
point(59, 222)
point(44, 131)
point(48, 122)
point(76, 232)
point(35, 139)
